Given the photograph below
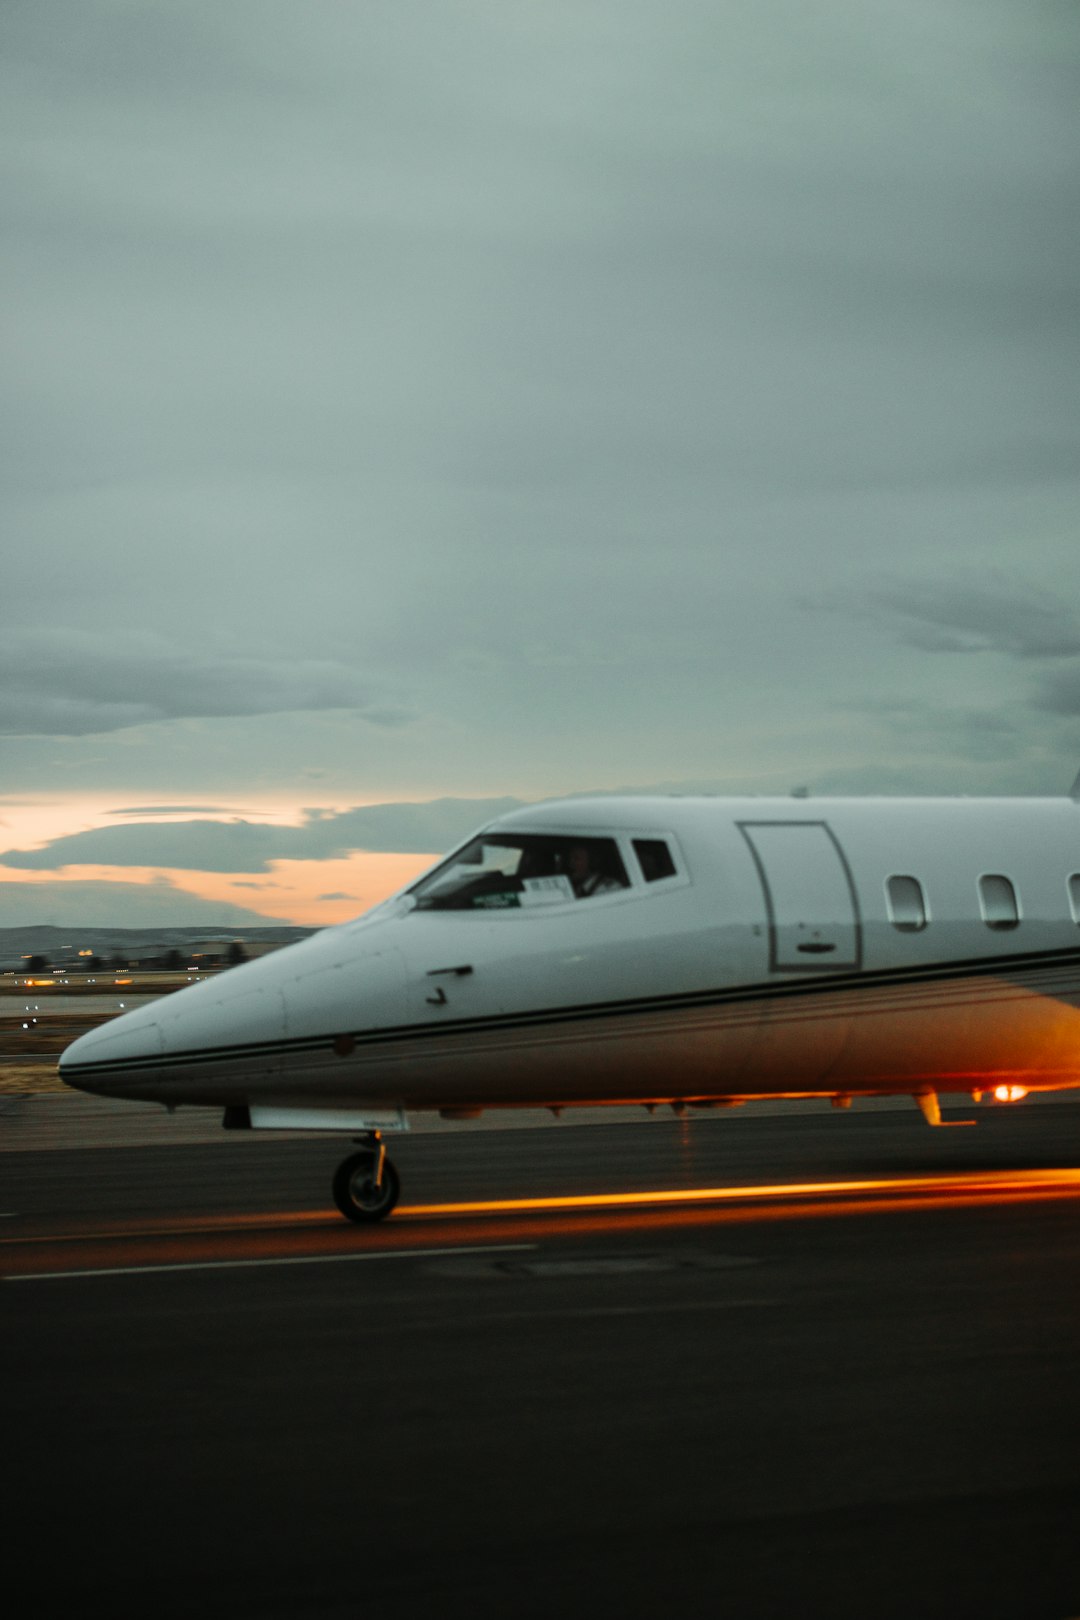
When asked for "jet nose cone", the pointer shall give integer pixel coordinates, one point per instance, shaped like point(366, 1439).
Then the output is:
point(111, 1059)
point(224, 1018)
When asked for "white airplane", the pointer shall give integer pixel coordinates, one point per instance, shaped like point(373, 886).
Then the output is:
point(684, 951)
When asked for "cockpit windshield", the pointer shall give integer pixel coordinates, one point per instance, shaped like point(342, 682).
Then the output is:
point(497, 871)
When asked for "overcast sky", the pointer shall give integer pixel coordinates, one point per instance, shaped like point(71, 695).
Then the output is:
point(461, 399)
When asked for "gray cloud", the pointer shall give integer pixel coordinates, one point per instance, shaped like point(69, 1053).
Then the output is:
point(239, 846)
point(521, 367)
point(182, 810)
point(984, 613)
point(1060, 693)
point(73, 683)
point(996, 615)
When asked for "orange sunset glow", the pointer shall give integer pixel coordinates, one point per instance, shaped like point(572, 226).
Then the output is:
point(312, 893)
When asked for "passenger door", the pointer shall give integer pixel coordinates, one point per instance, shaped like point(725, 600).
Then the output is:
point(810, 898)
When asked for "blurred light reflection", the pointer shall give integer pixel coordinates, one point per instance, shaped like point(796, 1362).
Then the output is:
point(183, 1240)
point(982, 1184)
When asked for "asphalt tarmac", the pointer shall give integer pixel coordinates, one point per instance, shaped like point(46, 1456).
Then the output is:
point(813, 1365)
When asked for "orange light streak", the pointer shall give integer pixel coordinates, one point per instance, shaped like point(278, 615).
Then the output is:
point(823, 1197)
point(983, 1182)
point(317, 1233)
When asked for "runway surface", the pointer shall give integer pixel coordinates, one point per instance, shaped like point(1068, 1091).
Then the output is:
point(823, 1365)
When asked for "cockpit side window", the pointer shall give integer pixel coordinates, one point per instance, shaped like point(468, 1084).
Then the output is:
point(654, 858)
point(504, 871)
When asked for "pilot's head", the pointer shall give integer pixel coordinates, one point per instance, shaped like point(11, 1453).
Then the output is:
point(578, 863)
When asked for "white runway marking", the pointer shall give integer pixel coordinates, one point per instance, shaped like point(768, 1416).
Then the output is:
point(289, 1260)
point(674, 1307)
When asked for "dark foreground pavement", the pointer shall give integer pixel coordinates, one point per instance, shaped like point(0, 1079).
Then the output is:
point(807, 1405)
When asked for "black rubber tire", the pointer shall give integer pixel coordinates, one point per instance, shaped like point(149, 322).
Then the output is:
point(355, 1193)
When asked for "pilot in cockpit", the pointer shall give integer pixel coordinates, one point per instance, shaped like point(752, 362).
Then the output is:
point(586, 878)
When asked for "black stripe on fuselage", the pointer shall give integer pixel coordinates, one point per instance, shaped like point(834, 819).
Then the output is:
point(834, 987)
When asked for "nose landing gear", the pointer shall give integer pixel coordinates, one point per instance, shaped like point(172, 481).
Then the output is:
point(366, 1185)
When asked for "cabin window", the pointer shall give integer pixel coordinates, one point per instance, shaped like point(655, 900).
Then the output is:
point(654, 858)
point(1074, 896)
point(998, 902)
point(907, 904)
point(508, 871)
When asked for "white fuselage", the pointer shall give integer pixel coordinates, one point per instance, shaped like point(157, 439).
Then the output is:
point(790, 947)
